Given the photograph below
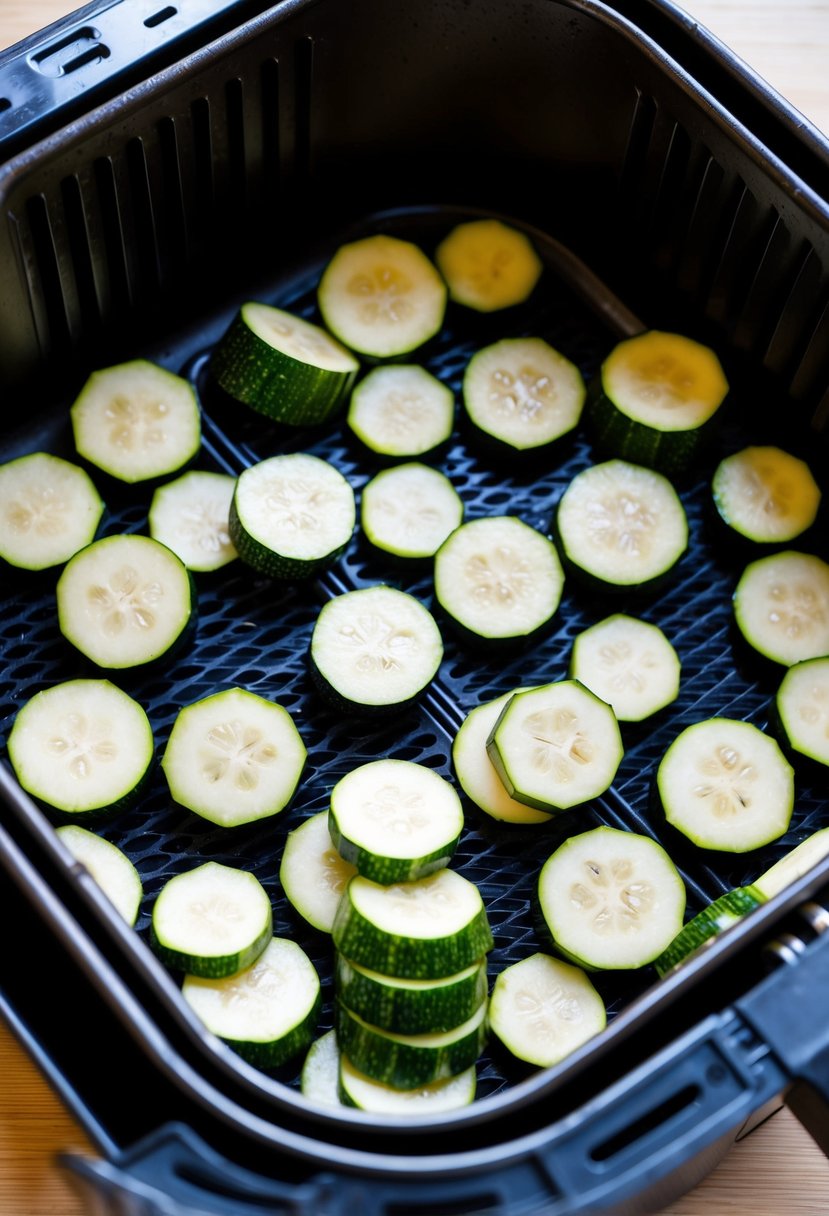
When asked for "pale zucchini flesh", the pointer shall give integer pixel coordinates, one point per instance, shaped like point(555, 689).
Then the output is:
point(49, 509)
point(124, 601)
point(802, 707)
point(726, 785)
point(137, 421)
point(765, 494)
point(381, 296)
point(523, 393)
point(320, 1078)
point(555, 746)
point(190, 516)
point(233, 758)
point(629, 663)
point(498, 579)
point(111, 869)
point(411, 1006)
point(409, 510)
point(401, 411)
point(488, 265)
point(313, 874)
point(432, 1098)
point(612, 900)
point(781, 607)
point(793, 865)
point(542, 1009)
point(81, 746)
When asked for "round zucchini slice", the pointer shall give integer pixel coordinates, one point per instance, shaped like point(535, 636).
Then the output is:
point(657, 398)
point(498, 579)
point(211, 921)
point(395, 820)
point(49, 509)
point(137, 421)
point(793, 865)
point(291, 515)
point(422, 930)
point(621, 526)
point(82, 746)
point(542, 1009)
point(190, 516)
point(124, 601)
point(781, 606)
point(313, 874)
point(401, 411)
point(523, 393)
point(435, 1097)
point(409, 511)
point(765, 494)
point(802, 709)
point(267, 1012)
point(233, 758)
point(611, 900)
point(382, 297)
point(488, 265)
point(726, 785)
point(320, 1078)
point(111, 869)
point(708, 924)
point(476, 773)
point(556, 746)
point(283, 366)
point(374, 649)
point(411, 1006)
point(410, 1061)
point(628, 663)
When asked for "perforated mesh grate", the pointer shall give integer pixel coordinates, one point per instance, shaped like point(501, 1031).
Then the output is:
point(255, 634)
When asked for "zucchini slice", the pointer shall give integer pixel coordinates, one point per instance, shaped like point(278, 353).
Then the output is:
point(111, 869)
point(410, 510)
point(765, 494)
point(125, 600)
point(628, 663)
point(522, 393)
point(395, 820)
point(611, 900)
point(488, 265)
point(373, 649)
point(190, 516)
point(476, 773)
point(401, 411)
point(313, 874)
point(726, 785)
point(211, 921)
point(320, 1078)
point(82, 746)
point(291, 515)
point(622, 526)
point(793, 865)
point(411, 1006)
point(781, 607)
point(283, 366)
point(422, 930)
point(49, 509)
point(656, 399)
point(542, 1009)
point(802, 710)
point(498, 579)
point(137, 421)
point(382, 297)
point(409, 1061)
point(556, 746)
point(233, 758)
point(435, 1097)
point(708, 924)
point(267, 1012)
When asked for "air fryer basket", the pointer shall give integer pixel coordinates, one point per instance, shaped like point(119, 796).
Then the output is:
point(234, 173)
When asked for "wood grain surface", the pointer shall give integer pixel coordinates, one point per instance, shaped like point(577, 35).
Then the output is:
point(777, 1170)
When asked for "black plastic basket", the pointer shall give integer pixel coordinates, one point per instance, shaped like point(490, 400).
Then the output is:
point(226, 160)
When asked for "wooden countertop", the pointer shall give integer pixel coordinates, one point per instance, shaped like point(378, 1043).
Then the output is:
point(777, 1171)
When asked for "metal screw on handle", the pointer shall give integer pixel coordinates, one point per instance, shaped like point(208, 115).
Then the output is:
point(816, 916)
point(788, 947)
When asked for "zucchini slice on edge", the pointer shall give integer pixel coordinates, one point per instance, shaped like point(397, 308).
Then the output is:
point(476, 773)
point(720, 915)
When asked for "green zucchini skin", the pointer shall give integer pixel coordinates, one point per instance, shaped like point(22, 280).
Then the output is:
point(276, 565)
point(669, 452)
point(402, 1061)
point(294, 394)
point(387, 1004)
point(415, 958)
point(216, 966)
point(278, 1051)
point(708, 924)
point(384, 869)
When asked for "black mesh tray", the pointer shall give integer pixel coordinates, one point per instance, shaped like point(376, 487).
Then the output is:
point(255, 634)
